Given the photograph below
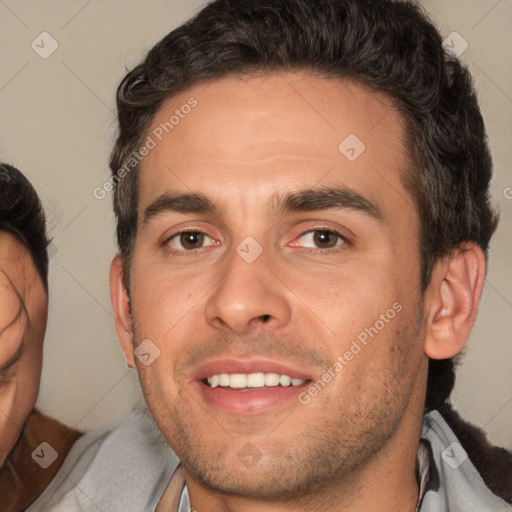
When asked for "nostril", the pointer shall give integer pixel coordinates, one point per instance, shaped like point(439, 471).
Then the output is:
point(265, 318)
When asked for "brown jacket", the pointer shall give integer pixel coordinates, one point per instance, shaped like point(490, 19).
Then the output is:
point(22, 478)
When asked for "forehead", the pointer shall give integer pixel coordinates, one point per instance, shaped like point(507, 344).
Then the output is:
point(273, 133)
point(12, 248)
point(16, 260)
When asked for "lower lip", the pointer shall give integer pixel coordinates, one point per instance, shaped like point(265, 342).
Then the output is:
point(250, 402)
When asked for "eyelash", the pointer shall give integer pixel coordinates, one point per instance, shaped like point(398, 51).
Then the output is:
point(333, 250)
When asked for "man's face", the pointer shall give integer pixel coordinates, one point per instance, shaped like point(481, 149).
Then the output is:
point(23, 313)
point(294, 250)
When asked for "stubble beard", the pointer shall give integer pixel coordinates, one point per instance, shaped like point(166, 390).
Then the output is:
point(338, 442)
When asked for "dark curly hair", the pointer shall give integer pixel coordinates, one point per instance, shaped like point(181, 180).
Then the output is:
point(389, 46)
point(22, 214)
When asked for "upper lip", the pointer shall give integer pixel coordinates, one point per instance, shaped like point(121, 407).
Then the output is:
point(235, 365)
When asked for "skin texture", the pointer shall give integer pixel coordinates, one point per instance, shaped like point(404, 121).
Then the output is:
point(23, 314)
point(299, 303)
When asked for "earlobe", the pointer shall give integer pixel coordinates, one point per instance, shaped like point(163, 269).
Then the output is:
point(452, 301)
point(121, 308)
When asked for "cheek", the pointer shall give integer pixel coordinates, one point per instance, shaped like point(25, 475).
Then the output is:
point(17, 399)
point(9, 420)
point(28, 374)
point(163, 301)
point(349, 300)
point(160, 389)
point(27, 380)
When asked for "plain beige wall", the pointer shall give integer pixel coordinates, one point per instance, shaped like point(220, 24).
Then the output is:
point(57, 125)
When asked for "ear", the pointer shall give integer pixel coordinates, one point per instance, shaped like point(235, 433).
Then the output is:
point(121, 308)
point(452, 301)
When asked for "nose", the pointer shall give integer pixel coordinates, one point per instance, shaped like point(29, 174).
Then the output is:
point(248, 297)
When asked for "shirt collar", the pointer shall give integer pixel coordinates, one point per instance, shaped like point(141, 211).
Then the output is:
point(422, 472)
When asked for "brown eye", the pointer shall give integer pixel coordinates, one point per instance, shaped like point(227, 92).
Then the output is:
point(321, 239)
point(191, 240)
point(325, 239)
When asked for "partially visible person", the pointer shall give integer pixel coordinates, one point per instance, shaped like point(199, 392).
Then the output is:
point(23, 315)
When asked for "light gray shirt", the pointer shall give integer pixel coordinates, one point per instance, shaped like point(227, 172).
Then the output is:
point(127, 467)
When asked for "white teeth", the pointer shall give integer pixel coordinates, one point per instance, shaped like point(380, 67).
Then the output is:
point(255, 380)
point(238, 380)
point(284, 380)
point(252, 380)
point(271, 379)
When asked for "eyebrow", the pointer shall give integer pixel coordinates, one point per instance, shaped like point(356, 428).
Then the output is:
point(326, 198)
point(303, 200)
point(179, 203)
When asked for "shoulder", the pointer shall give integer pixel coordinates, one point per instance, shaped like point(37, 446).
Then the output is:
point(493, 463)
point(457, 475)
point(22, 480)
point(122, 467)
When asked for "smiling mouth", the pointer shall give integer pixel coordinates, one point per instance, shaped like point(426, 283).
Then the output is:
point(251, 381)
